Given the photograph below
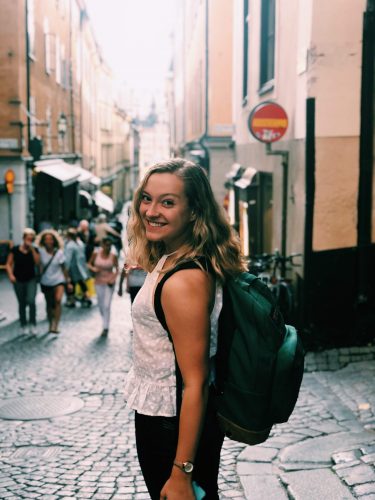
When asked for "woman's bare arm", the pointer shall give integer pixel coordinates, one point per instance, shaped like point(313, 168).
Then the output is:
point(9, 266)
point(186, 299)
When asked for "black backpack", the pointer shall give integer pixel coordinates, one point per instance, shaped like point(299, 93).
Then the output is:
point(259, 361)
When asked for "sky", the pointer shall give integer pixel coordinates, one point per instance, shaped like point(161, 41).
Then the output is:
point(135, 38)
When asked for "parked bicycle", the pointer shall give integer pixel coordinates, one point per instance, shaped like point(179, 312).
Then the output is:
point(272, 269)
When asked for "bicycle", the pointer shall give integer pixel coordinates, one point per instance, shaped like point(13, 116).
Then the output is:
point(271, 269)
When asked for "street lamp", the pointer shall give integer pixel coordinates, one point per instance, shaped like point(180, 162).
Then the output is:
point(62, 127)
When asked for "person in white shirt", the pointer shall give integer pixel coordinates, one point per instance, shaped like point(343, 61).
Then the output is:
point(54, 274)
point(179, 234)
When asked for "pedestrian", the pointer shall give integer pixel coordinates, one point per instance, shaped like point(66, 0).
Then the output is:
point(87, 236)
point(103, 229)
point(134, 276)
point(54, 275)
point(75, 262)
point(104, 264)
point(21, 265)
point(176, 221)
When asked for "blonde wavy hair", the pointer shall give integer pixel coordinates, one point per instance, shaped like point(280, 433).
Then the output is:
point(210, 234)
point(57, 240)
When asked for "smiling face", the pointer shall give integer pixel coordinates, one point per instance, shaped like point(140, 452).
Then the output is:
point(165, 211)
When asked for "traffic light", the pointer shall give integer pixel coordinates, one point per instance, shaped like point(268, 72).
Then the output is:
point(9, 180)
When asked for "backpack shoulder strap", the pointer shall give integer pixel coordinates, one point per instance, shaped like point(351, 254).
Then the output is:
point(199, 263)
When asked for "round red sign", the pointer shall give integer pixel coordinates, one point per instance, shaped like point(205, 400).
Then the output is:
point(268, 122)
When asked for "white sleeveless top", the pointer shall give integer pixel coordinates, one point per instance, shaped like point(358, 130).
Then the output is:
point(150, 386)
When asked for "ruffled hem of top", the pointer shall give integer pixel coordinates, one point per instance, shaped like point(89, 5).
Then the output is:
point(149, 398)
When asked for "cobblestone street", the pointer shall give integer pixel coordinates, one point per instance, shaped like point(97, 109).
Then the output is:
point(89, 453)
point(86, 449)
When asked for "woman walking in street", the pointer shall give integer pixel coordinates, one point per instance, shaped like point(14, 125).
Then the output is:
point(179, 234)
point(54, 275)
point(104, 264)
point(21, 264)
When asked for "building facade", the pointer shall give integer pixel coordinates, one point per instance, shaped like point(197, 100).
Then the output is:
point(308, 57)
point(200, 87)
point(52, 123)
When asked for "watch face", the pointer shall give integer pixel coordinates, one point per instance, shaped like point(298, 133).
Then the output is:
point(188, 467)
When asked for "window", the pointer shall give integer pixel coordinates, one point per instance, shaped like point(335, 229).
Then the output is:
point(58, 60)
point(49, 129)
point(64, 68)
point(267, 45)
point(245, 50)
point(47, 47)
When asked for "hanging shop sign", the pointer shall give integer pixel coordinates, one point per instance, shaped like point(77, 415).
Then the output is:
point(268, 122)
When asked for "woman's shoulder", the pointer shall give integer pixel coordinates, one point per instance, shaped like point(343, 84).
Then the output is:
point(189, 274)
point(199, 262)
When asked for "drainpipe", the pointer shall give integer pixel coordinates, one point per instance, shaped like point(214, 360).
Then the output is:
point(27, 72)
point(207, 67)
point(28, 165)
point(72, 117)
point(284, 211)
point(309, 211)
point(364, 225)
point(206, 112)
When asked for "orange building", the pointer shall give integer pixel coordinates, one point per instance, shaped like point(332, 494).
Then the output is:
point(50, 126)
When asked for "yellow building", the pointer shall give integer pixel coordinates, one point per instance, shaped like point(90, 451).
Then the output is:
point(306, 55)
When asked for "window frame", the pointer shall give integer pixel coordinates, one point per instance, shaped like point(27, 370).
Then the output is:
point(245, 58)
point(267, 46)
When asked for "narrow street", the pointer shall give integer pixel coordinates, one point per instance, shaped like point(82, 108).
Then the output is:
point(68, 435)
point(89, 453)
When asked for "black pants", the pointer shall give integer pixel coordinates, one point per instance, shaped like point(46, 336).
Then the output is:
point(156, 439)
point(26, 292)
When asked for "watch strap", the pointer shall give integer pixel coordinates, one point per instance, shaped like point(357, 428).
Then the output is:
point(184, 465)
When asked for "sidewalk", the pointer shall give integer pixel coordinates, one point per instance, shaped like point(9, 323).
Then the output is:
point(327, 449)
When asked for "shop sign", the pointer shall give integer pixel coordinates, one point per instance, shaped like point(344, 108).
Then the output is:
point(268, 122)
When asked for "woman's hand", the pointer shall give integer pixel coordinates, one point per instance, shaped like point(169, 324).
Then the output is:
point(12, 278)
point(178, 487)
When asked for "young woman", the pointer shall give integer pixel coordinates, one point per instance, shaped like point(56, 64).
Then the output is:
point(176, 225)
point(21, 264)
point(105, 266)
point(53, 275)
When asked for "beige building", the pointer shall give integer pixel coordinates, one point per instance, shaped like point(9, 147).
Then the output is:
point(200, 89)
point(306, 55)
